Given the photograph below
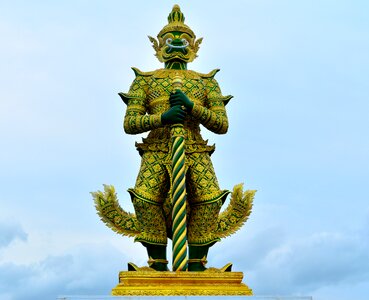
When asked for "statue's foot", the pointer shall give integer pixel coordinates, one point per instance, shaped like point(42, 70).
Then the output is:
point(133, 267)
point(196, 267)
point(159, 267)
point(226, 268)
point(153, 266)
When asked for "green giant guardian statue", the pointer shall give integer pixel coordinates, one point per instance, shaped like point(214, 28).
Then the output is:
point(177, 194)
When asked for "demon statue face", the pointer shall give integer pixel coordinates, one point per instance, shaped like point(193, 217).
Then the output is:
point(176, 41)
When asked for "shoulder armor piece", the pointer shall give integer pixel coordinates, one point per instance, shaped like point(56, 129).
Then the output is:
point(139, 72)
point(226, 99)
point(125, 97)
point(210, 74)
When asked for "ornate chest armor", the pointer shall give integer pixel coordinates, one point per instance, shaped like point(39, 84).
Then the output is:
point(148, 98)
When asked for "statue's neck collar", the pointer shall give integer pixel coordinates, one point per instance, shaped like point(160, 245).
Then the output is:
point(176, 65)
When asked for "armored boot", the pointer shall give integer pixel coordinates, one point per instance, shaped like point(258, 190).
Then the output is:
point(197, 258)
point(157, 257)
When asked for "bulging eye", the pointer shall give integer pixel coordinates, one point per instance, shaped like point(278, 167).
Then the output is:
point(168, 41)
point(184, 42)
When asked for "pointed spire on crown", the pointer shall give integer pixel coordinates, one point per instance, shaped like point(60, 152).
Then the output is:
point(176, 15)
point(176, 23)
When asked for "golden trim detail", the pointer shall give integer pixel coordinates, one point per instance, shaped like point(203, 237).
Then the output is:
point(154, 283)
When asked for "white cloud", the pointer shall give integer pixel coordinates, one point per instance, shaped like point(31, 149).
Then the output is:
point(85, 269)
point(273, 264)
point(9, 232)
point(304, 265)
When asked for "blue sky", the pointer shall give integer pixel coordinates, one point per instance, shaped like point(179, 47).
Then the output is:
point(299, 73)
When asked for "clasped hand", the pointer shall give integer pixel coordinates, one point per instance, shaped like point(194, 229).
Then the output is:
point(179, 105)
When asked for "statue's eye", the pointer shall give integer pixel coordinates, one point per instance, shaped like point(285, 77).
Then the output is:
point(169, 41)
point(185, 42)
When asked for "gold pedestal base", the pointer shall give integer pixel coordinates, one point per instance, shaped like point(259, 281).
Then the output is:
point(154, 283)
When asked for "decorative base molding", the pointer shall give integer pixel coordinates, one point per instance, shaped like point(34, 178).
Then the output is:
point(154, 283)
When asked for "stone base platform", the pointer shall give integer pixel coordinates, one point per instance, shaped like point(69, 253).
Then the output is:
point(96, 297)
point(153, 283)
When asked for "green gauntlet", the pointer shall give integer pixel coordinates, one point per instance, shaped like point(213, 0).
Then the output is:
point(180, 98)
point(174, 115)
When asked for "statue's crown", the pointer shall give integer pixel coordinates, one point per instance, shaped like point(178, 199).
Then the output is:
point(176, 15)
point(176, 23)
point(176, 29)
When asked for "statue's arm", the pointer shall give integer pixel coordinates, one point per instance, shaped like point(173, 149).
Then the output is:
point(136, 119)
point(213, 115)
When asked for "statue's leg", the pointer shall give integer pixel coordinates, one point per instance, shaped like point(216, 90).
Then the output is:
point(197, 258)
point(201, 226)
point(148, 196)
point(205, 200)
point(157, 256)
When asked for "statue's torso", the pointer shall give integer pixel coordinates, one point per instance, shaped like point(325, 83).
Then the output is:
point(157, 86)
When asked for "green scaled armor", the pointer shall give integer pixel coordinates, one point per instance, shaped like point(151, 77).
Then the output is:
point(147, 100)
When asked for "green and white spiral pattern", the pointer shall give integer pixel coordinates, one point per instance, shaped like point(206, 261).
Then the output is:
point(179, 226)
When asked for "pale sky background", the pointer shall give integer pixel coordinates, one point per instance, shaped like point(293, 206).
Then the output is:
point(299, 120)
